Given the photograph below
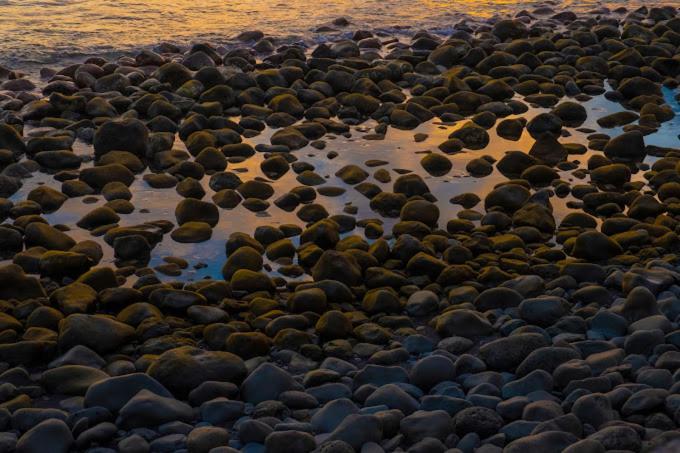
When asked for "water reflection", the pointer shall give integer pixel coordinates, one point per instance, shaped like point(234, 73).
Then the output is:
point(399, 149)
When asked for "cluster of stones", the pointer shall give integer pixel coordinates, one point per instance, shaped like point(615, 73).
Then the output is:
point(498, 330)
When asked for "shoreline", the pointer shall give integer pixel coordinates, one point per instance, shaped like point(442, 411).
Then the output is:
point(402, 242)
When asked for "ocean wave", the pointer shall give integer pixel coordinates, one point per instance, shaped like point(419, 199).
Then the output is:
point(49, 32)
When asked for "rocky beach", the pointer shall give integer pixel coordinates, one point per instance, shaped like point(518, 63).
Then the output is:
point(449, 239)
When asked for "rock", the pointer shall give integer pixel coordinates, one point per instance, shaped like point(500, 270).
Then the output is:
point(548, 150)
point(617, 119)
point(463, 323)
point(266, 382)
point(114, 392)
point(75, 298)
point(595, 246)
point(571, 113)
point(472, 136)
point(124, 158)
point(436, 164)
point(132, 247)
point(41, 234)
point(147, 409)
point(430, 371)
point(426, 424)
point(644, 401)
point(14, 284)
point(205, 438)
point(543, 311)
point(99, 433)
point(71, 379)
point(545, 124)
point(594, 409)
point(333, 324)
point(251, 281)
point(313, 299)
point(55, 263)
point(510, 197)
point(11, 242)
point(449, 55)
point(618, 438)
point(248, 344)
point(192, 232)
point(173, 73)
point(480, 420)
point(629, 146)
point(614, 174)
point(509, 29)
point(537, 380)
point(332, 414)
point(219, 411)
point(99, 333)
point(542, 443)
point(508, 352)
point(547, 359)
point(639, 86)
point(393, 397)
point(49, 199)
point(121, 135)
point(339, 266)
point(192, 210)
point(50, 435)
point(640, 303)
point(101, 175)
point(98, 217)
point(358, 430)
point(420, 210)
point(10, 139)
point(289, 441)
point(184, 368)
point(422, 303)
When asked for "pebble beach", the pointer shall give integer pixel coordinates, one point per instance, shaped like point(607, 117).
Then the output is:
point(452, 228)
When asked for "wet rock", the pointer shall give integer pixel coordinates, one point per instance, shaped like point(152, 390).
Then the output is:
point(545, 124)
point(640, 303)
point(192, 210)
point(358, 430)
point(147, 409)
point(192, 232)
point(595, 246)
point(480, 420)
point(510, 197)
point(463, 323)
point(100, 176)
point(509, 29)
point(333, 265)
point(121, 135)
point(71, 379)
point(543, 442)
point(432, 370)
point(114, 392)
point(98, 217)
point(290, 441)
point(40, 234)
point(627, 146)
point(16, 285)
point(98, 333)
point(265, 383)
point(333, 324)
point(185, 368)
point(472, 136)
point(49, 435)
